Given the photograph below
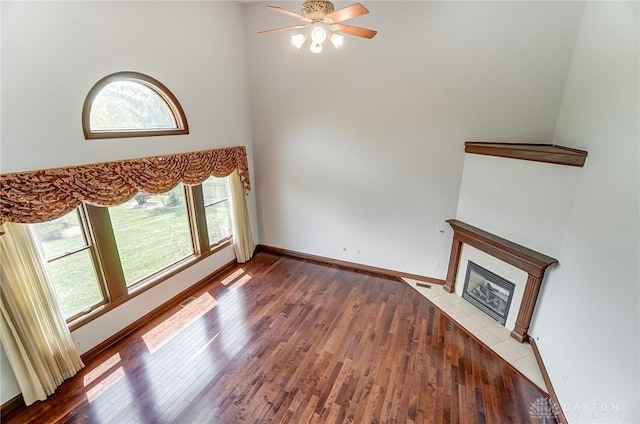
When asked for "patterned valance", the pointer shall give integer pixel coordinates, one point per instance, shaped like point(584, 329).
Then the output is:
point(36, 196)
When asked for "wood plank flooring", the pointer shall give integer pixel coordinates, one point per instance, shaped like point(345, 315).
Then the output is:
point(284, 340)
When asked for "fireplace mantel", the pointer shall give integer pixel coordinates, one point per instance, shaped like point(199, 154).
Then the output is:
point(533, 263)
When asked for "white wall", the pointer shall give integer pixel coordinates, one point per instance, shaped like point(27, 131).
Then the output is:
point(518, 200)
point(53, 53)
point(363, 147)
point(586, 322)
point(8, 384)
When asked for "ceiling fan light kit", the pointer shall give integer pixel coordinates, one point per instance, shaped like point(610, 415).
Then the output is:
point(318, 33)
point(323, 22)
point(298, 40)
point(336, 40)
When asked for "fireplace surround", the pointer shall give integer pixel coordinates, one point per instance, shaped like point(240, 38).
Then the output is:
point(488, 292)
point(533, 263)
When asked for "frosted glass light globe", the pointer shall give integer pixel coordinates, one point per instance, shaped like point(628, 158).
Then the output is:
point(315, 47)
point(318, 34)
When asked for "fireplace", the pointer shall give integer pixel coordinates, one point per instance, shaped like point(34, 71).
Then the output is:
point(487, 291)
point(533, 263)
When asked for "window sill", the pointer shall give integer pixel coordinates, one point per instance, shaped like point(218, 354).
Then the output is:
point(146, 284)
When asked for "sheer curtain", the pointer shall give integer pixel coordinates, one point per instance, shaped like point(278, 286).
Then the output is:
point(35, 336)
point(243, 243)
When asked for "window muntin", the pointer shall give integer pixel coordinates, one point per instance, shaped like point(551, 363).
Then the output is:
point(85, 259)
point(67, 249)
point(216, 204)
point(131, 104)
point(152, 232)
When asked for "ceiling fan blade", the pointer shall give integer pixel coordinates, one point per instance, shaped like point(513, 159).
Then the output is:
point(288, 12)
point(354, 30)
point(281, 29)
point(348, 12)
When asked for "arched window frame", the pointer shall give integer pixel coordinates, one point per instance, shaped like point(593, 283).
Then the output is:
point(160, 89)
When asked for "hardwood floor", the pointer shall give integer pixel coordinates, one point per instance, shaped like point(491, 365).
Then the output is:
point(287, 340)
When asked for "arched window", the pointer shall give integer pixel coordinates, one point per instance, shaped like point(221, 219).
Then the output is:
point(131, 104)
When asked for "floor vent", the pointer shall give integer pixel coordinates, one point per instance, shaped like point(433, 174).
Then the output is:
point(187, 301)
point(426, 286)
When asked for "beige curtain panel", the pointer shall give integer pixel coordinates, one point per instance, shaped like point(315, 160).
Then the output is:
point(243, 242)
point(35, 335)
point(29, 197)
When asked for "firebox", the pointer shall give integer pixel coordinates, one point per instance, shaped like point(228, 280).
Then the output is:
point(489, 292)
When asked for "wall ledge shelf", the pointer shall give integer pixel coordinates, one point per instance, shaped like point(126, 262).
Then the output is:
point(549, 153)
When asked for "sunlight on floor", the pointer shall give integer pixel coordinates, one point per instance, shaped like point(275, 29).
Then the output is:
point(104, 384)
point(233, 334)
point(180, 372)
point(101, 379)
point(233, 276)
point(101, 369)
point(232, 318)
point(205, 346)
point(171, 327)
point(237, 279)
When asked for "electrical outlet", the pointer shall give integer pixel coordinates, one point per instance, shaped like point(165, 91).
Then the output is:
point(564, 378)
point(436, 265)
point(78, 344)
point(358, 251)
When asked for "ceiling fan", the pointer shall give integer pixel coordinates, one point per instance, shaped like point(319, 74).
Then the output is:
point(325, 22)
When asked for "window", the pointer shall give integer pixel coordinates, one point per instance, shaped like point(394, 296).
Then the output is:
point(216, 204)
point(152, 233)
point(96, 256)
point(68, 250)
point(130, 104)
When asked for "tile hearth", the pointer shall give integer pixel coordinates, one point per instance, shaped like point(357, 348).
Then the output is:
point(486, 329)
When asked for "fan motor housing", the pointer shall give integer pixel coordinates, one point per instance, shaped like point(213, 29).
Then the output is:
point(316, 9)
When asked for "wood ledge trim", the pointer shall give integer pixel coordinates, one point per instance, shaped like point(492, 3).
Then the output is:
point(531, 261)
point(547, 381)
point(14, 403)
point(548, 153)
point(350, 265)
